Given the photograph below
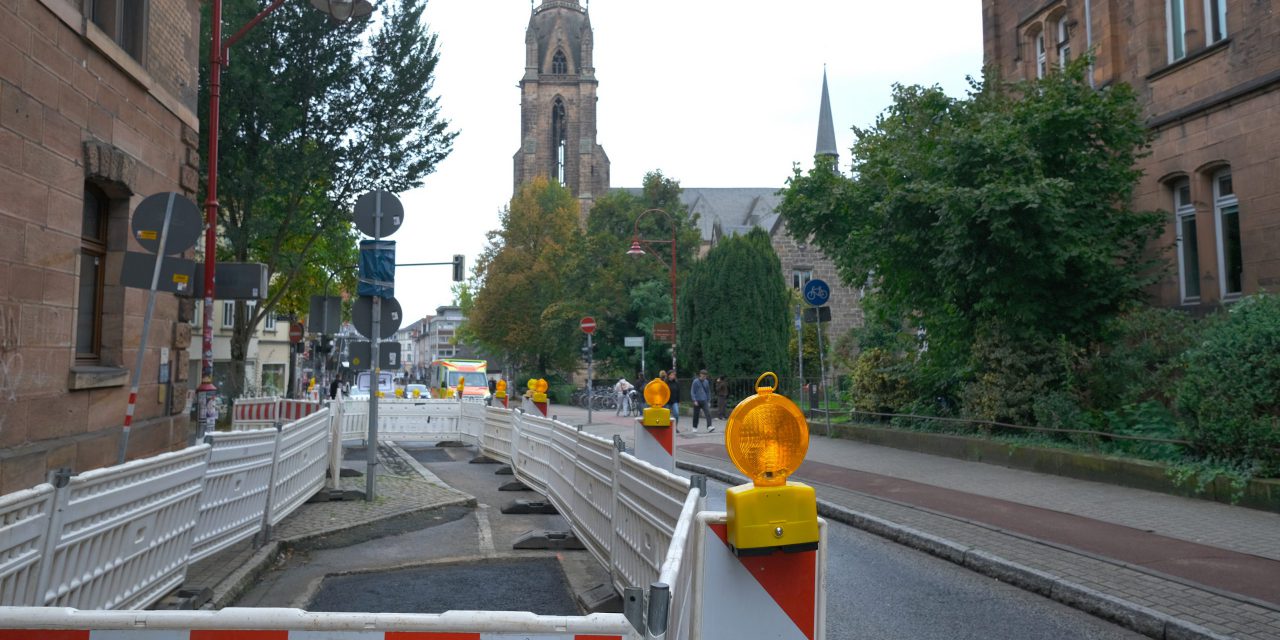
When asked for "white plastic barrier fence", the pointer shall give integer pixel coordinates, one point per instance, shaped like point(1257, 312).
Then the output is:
point(255, 413)
point(678, 573)
point(120, 536)
point(647, 506)
point(295, 624)
point(301, 460)
point(235, 489)
point(291, 410)
point(496, 432)
point(422, 419)
point(24, 523)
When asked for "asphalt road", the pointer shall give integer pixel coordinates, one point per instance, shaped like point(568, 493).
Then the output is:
point(875, 588)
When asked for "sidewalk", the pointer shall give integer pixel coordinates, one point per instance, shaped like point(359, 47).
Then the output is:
point(1165, 566)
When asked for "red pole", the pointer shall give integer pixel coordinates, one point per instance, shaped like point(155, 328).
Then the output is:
point(673, 291)
point(207, 390)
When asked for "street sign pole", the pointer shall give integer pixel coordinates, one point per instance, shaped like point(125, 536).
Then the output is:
point(800, 351)
point(590, 393)
point(375, 370)
point(146, 329)
point(817, 293)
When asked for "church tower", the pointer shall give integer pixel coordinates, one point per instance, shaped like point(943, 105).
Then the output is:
point(558, 103)
point(826, 150)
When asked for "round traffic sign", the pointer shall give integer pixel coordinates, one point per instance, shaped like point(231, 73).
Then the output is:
point(296, 330)
point(362, 317)
point(588, 325)
point(816, 292)
point(376, 206)
point(185, 223)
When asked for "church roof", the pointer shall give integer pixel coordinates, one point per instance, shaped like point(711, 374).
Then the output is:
point(727, 211)
point(826, 129)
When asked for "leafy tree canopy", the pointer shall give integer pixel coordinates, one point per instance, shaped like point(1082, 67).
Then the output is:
point(1005, 210)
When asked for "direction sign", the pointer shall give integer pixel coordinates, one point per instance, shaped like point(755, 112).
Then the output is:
point(373, 203)
point(388, 354)
point(633, 341)
point(295, 332)
point(817, 293)
point(362, 317)
point(139, 269)
point(185, 223)
point(664, 331)
point(588, 324)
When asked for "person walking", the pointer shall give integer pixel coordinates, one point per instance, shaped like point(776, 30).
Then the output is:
point(334, 386)
point(700, 393)
point(622, 393)
point(722, 396)
point(674, 403)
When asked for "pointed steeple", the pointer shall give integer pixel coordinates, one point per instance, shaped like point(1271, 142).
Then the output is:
point(826, 129)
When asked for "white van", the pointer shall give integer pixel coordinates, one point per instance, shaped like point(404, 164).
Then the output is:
point(386, 384)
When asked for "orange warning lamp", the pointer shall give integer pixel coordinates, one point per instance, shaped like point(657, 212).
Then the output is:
point(462, 383)
point(539, 387)
point(500, 389)
point(767, 438)
point(656, 393)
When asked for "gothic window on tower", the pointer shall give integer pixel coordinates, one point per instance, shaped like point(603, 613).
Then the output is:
point(560, 140)
point(559, 64)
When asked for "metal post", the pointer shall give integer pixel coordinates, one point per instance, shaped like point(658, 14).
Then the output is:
point(800, 348)
point(590, 391)
point(822, 373)
point(146, 328)
point(370, 479)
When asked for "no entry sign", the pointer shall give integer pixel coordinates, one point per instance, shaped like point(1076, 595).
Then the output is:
point(588, 325)
point(295, 332)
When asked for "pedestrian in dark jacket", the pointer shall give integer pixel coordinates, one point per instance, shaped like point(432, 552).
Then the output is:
point(700, 392)
point(674, 403)
point(722, 396)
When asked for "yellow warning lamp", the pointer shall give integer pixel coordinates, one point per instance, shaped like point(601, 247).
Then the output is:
point(417, 393)
point(500, 389)
point(656, 393)
point(461, 384)
point(767, 438)
point(399, 393)
point(539, 387)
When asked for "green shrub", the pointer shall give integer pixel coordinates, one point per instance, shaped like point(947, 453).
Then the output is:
point(879, 381)
point(1230, 392)
point(1008, 376)
point(1140, 358)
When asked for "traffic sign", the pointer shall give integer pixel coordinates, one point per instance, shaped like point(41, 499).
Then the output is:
point(633, 341)
point(295, 332)
point(588, 325)
point(362, 317)
point(185, 223)
point(817, 293)
point(377, 206)
point(664, 331)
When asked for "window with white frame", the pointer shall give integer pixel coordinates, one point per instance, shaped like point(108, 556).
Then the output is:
point(1064, 42)
point(1226, 214)
point(1176, 25)
point(228, 314)
point(1041, 59)
point(1215, 20)
point(1188, 247)
point(270, 323)
point(800, 277)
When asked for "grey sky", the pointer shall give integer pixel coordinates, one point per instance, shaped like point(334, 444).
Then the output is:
point(715, 93)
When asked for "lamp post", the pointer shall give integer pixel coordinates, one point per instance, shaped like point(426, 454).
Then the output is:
point(338, 10)
point(639, 247)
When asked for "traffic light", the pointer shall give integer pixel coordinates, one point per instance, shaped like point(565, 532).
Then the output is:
point(459, 268)
point(326, 344)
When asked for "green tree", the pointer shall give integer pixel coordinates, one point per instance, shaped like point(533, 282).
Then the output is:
point(518, 304)
point(312, 115)
point(1001, 213)
point(734, 310)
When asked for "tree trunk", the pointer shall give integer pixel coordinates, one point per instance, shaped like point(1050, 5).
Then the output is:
point(241, 334)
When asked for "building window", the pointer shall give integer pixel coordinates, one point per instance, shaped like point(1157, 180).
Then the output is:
point(1041, 60)
point(1176, 19)
point(1188, 247)
point(559, 64)
point(1064, 42)
point(1215, 18)
point(270, 323)
point(123, 21)
point(228, 314)
point(93, 262)
point(559, 142)
point(1226, 213)
point(801, 277)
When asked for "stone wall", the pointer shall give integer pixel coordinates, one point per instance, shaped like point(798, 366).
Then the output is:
point(76, 109)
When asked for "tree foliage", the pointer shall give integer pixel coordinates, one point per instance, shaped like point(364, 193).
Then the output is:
point(734, 310)
point(1002, 213)
point(312, 115)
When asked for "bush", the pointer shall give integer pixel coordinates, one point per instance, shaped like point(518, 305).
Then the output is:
point(1140, 358)
point(1008, 377)
point(880, 383)
point(1230, 392)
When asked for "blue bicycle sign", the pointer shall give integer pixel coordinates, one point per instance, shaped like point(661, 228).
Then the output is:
point(817, 293)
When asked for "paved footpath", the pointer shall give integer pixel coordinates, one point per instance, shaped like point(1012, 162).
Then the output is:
point(1166, 566)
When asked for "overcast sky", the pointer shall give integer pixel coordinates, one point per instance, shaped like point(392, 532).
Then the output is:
point(715, 93)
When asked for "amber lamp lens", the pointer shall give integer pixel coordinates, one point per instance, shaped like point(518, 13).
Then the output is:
point(542, 386)
point(767, 441)
point(657, 393)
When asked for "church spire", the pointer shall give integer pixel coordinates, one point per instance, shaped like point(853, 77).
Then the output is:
point(826, 129)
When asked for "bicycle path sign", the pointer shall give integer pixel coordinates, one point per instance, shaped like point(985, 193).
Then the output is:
point(817, 293)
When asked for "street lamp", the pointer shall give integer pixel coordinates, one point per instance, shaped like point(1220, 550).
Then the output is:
point(339, 11)
point(639, 248)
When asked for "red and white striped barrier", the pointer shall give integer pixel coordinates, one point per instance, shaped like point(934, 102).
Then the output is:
point(291, 410)
point(780, 595)
point(255, 410)
point(656, 445)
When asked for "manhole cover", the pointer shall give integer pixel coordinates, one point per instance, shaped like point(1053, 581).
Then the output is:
point(536, 585)
point(431, 454)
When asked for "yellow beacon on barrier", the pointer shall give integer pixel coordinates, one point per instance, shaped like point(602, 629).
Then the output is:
point(767, 438)
point(539, 387)
point(656, 393)
point(500, 389)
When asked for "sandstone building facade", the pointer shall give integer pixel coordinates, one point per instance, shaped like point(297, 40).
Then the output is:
point(558, 103)
point(1208, 75)
point(97, 111)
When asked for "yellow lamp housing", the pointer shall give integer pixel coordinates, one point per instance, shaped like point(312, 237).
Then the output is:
point(656, 393)
point(500, 389)
point(539, 387)
point(767, 438)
